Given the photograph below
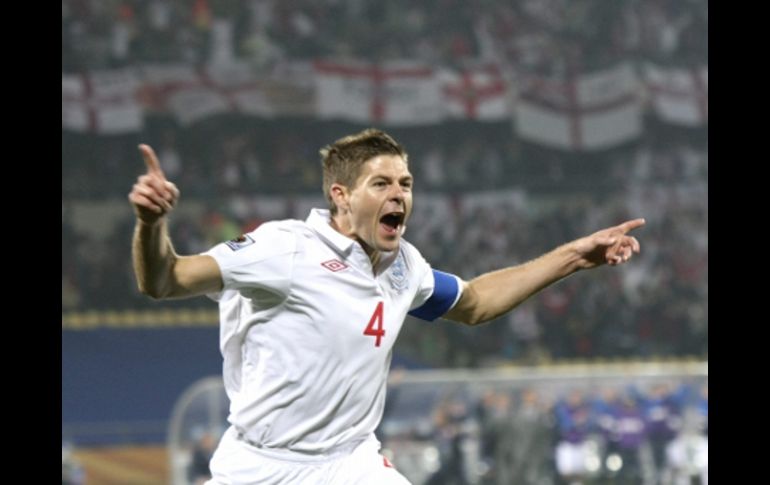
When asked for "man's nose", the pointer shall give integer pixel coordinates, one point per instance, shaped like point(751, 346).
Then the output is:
point(397, 193)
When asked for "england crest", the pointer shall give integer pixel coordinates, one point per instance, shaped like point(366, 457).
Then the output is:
point(397, 275)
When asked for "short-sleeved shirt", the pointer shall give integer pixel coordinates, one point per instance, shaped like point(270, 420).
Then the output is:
point(307, 330)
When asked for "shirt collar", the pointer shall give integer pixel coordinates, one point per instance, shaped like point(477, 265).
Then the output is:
point(320, 221)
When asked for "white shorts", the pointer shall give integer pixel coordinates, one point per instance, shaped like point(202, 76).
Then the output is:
point(236, 462)
point(571, 458)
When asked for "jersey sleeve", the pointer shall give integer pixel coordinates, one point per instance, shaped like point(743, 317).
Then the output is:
point(447, 289)
point(260, 260)
point(438, 292)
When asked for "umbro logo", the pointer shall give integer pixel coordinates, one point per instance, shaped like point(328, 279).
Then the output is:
point(334, 265)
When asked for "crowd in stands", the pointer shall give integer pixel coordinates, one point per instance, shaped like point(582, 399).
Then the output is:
point(541, 35)
point(484, 198)
point(482, 202)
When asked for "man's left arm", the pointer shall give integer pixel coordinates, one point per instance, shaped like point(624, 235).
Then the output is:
point(492, 294)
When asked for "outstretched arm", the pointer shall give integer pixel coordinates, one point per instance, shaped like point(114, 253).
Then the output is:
point(160, 272)
point(495, 293)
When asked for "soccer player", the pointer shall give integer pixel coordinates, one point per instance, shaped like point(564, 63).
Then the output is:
point(309, 311)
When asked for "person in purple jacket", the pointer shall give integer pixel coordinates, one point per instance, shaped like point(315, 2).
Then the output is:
point(574, 450)
point(629, 441)
point(662, 407)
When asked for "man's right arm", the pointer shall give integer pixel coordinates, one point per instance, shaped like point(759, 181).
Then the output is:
point(160, 272)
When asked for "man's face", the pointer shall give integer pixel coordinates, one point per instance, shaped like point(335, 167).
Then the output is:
point(380, 202)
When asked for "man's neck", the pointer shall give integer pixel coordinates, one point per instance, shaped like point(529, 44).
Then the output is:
point(342, 225)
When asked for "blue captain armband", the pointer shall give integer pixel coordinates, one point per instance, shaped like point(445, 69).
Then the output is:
point(446, 292)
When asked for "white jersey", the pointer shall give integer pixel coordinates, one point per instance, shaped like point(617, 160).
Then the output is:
point(307, 331)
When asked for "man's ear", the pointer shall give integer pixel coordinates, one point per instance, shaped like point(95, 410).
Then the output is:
point(340, 196)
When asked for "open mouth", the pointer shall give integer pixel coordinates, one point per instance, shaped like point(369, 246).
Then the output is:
point(392, 221)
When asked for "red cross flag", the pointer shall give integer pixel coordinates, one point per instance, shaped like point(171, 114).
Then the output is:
point(399, 92)
point(103, 102)
point(679, 96)
point(479, 93)
point(580, 112)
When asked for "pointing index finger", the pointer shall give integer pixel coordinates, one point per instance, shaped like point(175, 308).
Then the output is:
point(151, 160)
point(632, 224)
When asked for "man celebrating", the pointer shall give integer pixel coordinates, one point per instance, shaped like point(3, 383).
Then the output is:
point(309, 311)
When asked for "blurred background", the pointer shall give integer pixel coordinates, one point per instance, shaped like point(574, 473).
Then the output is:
point(528, 123)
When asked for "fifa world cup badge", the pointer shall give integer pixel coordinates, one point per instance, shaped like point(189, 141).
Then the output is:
point(398, 279)
point(240, 242)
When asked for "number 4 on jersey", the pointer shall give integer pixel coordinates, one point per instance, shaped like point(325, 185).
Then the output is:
point(375, 325)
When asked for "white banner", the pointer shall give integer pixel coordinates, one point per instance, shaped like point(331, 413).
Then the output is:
point(287, 91)
point(402, 93)
point(476, 94)
point(584, 112)
point(160, 80)
point(74, 107)
point(678, 96)
point(103, 102)
point(191, 104)
point(593, 111)
point(232, 88)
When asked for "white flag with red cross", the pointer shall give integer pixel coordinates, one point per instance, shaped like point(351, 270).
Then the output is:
point(397, 93)
point(580, 112)
point(102, 102)
point(476, 93)
point(195, 94)
point(678, 95)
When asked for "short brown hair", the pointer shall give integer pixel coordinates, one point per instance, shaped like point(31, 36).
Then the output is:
point(343, 159)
